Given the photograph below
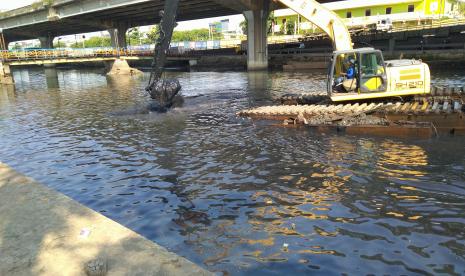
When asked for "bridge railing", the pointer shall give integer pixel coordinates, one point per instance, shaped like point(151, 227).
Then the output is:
point(47, 54)
point(53, 54)
point(450, 22)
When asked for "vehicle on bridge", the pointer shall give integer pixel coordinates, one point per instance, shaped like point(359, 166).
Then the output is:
point(384, 25)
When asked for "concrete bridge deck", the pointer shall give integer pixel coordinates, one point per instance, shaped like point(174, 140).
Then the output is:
point(43, 232)
point(65, 17)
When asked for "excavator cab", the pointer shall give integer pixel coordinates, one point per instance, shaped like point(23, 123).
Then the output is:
point(357, 74)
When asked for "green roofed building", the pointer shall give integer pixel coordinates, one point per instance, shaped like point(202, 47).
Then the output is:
point(364, 12)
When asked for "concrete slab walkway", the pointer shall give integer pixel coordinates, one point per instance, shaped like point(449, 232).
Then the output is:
point(43, 232)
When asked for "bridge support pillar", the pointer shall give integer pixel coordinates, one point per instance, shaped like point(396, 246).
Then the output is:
point(46, 42)
point(392, 46)
point(4, 42)
point(257, 48)
point(118, 37)
point(5, 74)
point(120, 67)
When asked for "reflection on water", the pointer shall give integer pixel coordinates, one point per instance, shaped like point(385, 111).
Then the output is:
point(7, 95)
point(403, 162)
point(234, 195)
point(51, 76)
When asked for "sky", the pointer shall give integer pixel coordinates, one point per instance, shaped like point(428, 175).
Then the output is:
point(186, 25)
point(9, 5)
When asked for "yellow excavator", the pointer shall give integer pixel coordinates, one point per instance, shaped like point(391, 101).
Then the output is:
point(361, 74)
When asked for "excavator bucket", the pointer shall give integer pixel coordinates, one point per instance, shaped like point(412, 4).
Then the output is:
point(164, 92)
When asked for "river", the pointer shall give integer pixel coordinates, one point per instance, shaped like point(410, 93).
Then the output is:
point(234, 195)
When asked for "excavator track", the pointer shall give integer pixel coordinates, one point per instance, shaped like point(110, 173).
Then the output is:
point(425, 117)
point(308, 111)
point(441, 93)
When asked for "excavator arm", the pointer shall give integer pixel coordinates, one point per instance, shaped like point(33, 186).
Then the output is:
point(324, 19)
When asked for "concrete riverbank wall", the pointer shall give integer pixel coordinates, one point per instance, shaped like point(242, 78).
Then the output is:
point(436, 59)
point(292, 60)
point(43, 232)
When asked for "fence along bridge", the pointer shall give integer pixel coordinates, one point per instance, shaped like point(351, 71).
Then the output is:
point(109, 56)
point(56, 56)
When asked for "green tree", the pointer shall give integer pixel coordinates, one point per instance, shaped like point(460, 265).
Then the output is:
point(93, 42)
point(195, 35)
point(460, 6)
point(59, 44)
point(270, 21)
point(48, 3)
point(290, 27)
point(134, 36)
point(16, 46)
point(152, 35)
point(243, 25)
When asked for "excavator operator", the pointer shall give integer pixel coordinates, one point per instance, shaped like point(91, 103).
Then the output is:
point(350, 73)
point(347, 82)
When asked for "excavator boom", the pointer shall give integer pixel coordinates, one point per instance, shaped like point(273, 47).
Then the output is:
point(324, 19)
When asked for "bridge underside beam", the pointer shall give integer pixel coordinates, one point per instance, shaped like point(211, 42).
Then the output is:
point(245, 5)
point(75, 17)
point(257, 50)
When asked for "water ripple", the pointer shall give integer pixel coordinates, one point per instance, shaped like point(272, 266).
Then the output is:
point(237, 196)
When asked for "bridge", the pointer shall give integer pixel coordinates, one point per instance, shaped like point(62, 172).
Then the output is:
point(51, 18)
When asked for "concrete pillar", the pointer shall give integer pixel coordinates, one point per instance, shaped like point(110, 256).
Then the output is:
point(118, 37)
point(7, 42)
point(392, 46)
point(4, 41)
point(5, 74)
point(257, 48)
point(46, 42)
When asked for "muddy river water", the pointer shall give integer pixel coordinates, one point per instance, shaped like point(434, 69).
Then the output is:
point(237, 196)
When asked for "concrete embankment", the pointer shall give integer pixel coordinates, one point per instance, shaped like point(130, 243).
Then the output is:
point(43, 232)
point(200, 63)
point(436, 59)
